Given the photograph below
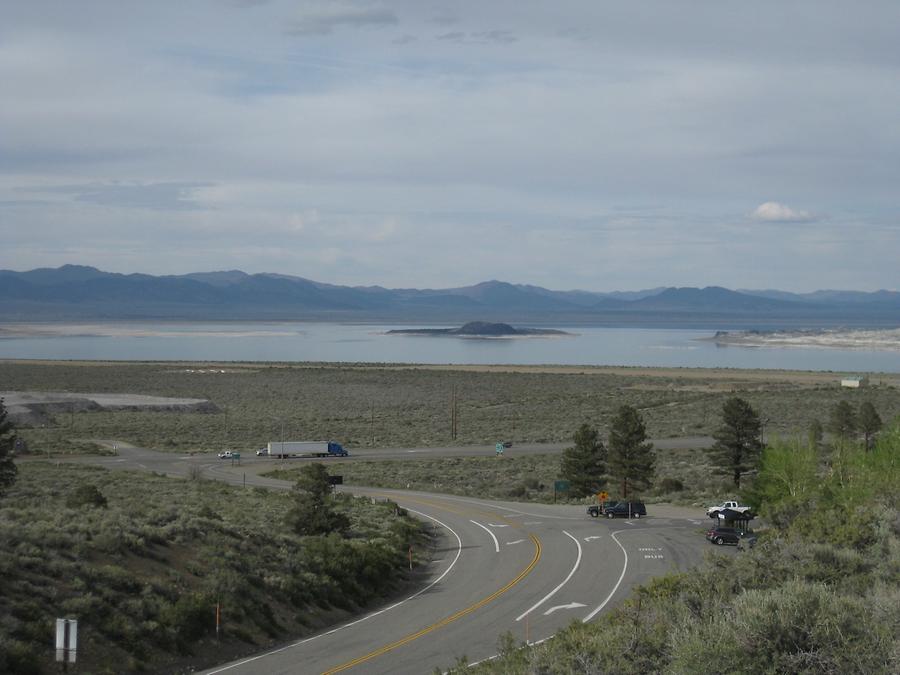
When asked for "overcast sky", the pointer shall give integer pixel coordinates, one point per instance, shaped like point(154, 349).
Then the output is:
point(594, 144)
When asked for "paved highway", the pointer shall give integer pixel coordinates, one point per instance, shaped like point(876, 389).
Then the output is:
point(502, 566)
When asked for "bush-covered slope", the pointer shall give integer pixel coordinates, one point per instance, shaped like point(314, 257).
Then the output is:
point(142, 560)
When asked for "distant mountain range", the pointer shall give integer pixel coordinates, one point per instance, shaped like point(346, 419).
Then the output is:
point(78, 293)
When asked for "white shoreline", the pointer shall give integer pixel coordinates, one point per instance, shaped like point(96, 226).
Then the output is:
point(863, 340)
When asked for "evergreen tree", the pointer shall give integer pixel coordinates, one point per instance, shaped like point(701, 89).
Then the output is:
point(815, 432)
point(631, 458)
point(312, 512)
point(584, 464)
point(842, 421)
point(8, 469)
point(738, 444)
point(869, 422)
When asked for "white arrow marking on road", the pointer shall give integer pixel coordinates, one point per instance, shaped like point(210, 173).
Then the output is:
point(563, 583)
point(495, 525)
point(517, 541)
point(571, 605)
point(595, 536)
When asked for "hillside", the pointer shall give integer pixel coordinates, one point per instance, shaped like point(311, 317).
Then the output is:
point(142, 560)
point(76, 292)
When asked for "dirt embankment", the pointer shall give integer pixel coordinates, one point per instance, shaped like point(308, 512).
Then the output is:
point(33, 408)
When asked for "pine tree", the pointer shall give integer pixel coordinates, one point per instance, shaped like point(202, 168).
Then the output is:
point(584, 464)
point(842, 421)
point(869, 422)
point(631, 458)
point(814, 432)
point(8, 469)
point(738, 444)
point(312, 512)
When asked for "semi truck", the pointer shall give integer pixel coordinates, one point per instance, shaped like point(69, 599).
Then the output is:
point(305, 449)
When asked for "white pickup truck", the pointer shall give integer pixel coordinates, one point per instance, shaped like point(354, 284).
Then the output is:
point(712, 511)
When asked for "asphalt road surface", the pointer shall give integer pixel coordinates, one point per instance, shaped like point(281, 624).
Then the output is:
point(502, 566)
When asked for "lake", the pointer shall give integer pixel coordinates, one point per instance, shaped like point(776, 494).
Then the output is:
point(330, 342)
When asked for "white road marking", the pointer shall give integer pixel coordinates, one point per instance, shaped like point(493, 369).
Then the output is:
point(571, 605)
point(564, 581)
point(592, 537)
point(493, 536)
point(496, 525)
point(616, 587)
point(517, 541)
point(368, 616)
point(532, 522)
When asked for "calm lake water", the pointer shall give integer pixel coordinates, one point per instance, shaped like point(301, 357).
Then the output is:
point(369, 343)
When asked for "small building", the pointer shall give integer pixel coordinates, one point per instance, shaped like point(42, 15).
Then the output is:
point(855, 382)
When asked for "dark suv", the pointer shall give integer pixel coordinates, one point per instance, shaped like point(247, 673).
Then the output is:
point(626, 510)
point(595, 510)
point(731, 535)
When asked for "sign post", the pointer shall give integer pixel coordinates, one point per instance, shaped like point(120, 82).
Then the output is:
point(66, 640)
point(560, 486)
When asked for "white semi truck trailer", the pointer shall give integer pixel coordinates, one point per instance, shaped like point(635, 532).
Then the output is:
point(305, 449)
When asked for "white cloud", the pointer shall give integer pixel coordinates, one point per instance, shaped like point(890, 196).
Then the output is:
point(773, 212)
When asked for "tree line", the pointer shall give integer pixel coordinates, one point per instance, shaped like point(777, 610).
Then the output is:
point(627, 465)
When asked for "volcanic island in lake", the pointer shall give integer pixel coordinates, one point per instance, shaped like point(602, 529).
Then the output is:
point(481, 329)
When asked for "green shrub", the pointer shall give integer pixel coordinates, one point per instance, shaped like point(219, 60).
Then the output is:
point(86, 495)
point(800, 627)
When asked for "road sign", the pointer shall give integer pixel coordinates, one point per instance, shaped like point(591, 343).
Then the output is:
point(66, 640)
point(561, 486)
point(603, 496)
point(335, 480)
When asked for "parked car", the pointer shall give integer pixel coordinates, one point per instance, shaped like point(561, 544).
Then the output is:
point(262, 452)
point(626, 510)
point(731, 535)
point(507, 444)
point(595, 510)
point(713, 511)
point(226, 454)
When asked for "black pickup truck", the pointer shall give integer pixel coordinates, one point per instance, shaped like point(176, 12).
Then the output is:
point(613, 509)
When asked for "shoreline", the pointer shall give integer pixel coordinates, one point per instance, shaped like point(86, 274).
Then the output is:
point(804, 377)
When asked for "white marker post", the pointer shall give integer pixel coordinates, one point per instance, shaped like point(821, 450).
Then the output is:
point(66, 640)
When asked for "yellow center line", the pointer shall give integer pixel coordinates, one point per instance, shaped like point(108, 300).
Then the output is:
point(450, 619)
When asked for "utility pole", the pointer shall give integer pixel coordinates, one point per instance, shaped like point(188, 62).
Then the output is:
point(454, 413)
point(373, 423)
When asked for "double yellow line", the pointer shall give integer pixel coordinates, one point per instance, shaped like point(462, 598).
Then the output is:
point(448, 620)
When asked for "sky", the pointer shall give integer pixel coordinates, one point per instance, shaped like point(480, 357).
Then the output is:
point(579, 144)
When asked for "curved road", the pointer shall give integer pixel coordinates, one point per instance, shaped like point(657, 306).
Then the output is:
point(502, 566)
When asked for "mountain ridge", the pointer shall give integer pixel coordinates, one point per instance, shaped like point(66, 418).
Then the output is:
point(78, 292)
